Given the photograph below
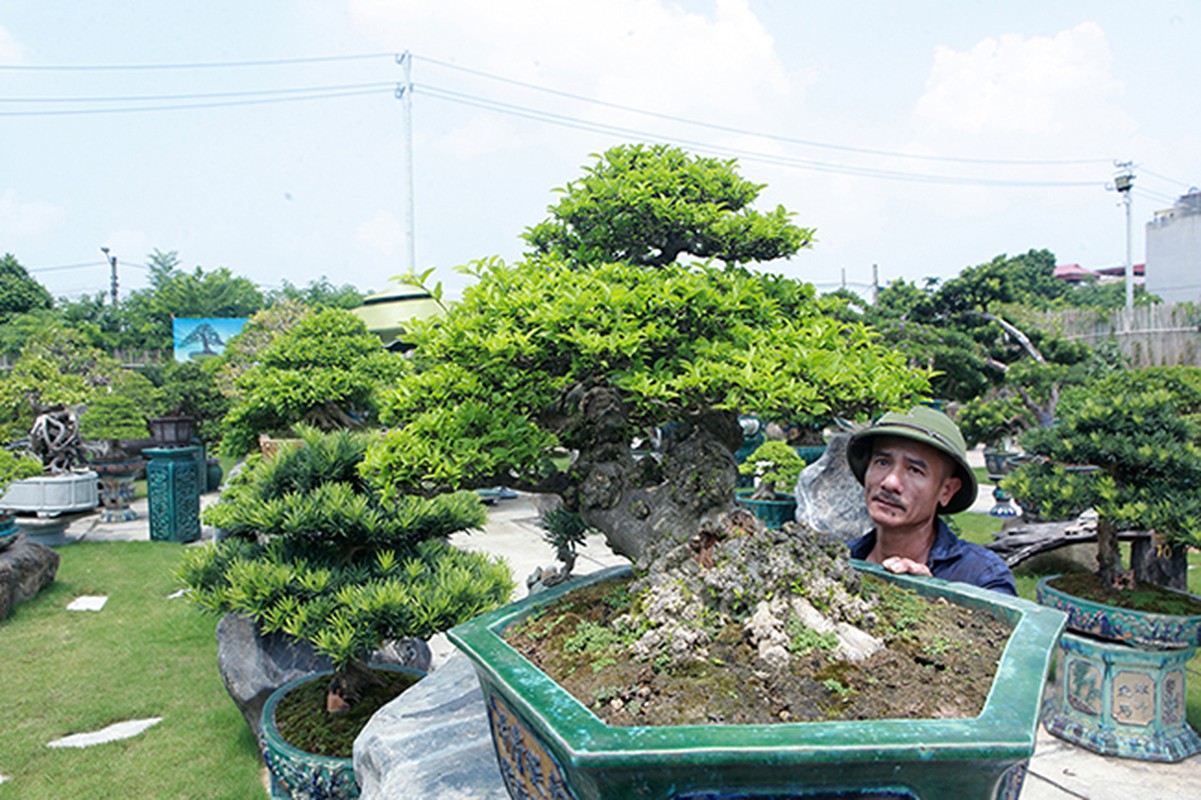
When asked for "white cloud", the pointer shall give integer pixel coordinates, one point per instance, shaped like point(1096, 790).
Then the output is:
point(643, 54)
point(381, 233)
point(11, 52)
point(21, 218)
point(1012, 86)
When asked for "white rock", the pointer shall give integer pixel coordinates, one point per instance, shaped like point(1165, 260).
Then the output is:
point(113, 733)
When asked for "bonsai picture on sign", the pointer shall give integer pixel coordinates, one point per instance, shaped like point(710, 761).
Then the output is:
point(197, 338)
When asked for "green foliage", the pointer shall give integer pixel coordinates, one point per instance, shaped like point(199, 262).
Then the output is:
point(774, 462)
point(19, 293)
point(565, 531)
point(15, 467)
point(647, 205)
point(326, 371)
point(120, 410)
point(675, 341)
point(318, 294)
point(803, 639)
point(991, 420)
point(316, 553)
point(1145, 447)
point(190, 388)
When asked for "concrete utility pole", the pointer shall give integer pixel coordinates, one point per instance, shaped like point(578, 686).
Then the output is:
point(1124, 183)
point(112, 262)
point(404, 93)
point(875, 284)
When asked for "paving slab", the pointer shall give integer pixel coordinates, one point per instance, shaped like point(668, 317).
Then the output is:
point(112, 733)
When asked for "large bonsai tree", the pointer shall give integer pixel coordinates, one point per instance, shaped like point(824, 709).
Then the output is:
point(315, 552)
point(1130, 448)
point(547, 369)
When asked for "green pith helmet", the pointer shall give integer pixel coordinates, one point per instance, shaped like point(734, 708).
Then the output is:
point(930, 427)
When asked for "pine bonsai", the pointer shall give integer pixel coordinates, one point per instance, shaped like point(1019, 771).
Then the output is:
point(316, 552)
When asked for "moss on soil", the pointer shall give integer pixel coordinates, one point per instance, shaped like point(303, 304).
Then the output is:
point(939, 663)
point(303, 722)
point(1144, 597)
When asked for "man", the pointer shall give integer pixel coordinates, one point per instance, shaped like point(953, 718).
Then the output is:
point(913, 467)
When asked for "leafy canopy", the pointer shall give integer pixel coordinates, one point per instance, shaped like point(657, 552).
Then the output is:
point(675, 341)
point(649, 204)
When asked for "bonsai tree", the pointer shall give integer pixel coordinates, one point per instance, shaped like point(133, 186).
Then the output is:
point(117, 413)
point(325, 371)
point(315, 552)
point(773, 462)
point(1131, 449)
point(560, 353)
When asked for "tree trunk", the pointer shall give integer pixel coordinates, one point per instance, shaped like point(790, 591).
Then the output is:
point(636, 501)
point(348, 685)
point(1109, 558)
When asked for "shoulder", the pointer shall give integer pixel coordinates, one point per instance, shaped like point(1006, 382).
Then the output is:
point(956, 560)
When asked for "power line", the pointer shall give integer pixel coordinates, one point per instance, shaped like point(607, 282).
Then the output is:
point(762, 135)
point(785, 161)
point(190, 106)
point(269, 62)
point(200, 95)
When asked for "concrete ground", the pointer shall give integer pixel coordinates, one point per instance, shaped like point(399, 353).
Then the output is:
point(1058, 771)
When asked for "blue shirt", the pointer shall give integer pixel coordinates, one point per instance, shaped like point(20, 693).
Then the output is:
point(953, 559)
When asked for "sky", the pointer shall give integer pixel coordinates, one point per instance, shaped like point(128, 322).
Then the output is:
point(269, 138)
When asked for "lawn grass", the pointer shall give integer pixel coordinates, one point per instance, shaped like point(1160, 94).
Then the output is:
point(142, 656)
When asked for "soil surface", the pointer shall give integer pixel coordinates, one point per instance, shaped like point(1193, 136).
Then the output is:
point(303, 722)
point(939, 663)
point(1144, 596)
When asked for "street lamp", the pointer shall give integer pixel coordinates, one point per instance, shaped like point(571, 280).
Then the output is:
point(1124, 183)
point(112, 262)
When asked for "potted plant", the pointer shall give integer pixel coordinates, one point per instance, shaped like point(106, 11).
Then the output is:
point(601, 333)
point(313, 551)
point(1133, 455)
point(772, 463)
point(113, 428)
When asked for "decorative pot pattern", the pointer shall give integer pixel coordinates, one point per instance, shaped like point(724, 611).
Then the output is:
point(1120, 680)
point(550, 746)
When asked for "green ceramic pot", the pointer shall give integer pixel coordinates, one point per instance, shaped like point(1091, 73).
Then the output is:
point(549, 745)
point(774, 513)
point(298, 775)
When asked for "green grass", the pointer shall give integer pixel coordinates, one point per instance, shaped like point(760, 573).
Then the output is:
point(979, 528)
point(143, 655)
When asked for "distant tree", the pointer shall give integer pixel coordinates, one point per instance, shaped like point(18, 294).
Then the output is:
point(318, 294)
point(647, 205)
point(176, 293)
point(18, 291)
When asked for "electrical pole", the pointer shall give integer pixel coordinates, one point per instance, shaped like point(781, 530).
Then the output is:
point(875, 284)
point(1124, 183)
point(112, 262)
point(404, 93)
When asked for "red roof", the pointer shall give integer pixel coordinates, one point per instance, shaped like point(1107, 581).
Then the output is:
point(1072, 272)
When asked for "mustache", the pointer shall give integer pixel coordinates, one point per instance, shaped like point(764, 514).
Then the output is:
point(886, 496)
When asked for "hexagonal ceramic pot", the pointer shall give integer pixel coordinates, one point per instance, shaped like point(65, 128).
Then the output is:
point(549, 745)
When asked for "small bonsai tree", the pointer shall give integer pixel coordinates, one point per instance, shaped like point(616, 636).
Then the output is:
point(325, 371)
point(315, 552)
point(773, 462)
point(117, 413)
point(1133, 454)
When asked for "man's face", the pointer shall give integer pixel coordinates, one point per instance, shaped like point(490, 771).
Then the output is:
point(906, 481)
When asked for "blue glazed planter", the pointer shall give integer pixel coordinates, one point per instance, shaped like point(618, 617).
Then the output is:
point(549, 745)
point(1120, 684)
point(298, 775)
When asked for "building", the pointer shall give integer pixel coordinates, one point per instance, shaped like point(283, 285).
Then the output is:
point(1174, 251)
point(1076, 274)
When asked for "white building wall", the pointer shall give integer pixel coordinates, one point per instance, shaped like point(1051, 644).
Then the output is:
point(1174, 252)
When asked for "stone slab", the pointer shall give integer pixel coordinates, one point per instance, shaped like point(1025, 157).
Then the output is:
point(112, 733)
point(432, 741)
point(87, 603)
